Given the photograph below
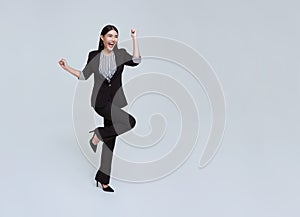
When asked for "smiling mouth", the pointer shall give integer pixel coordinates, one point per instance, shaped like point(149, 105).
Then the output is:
point(111, 45)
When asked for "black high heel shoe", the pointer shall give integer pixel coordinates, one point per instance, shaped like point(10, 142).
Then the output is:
point(107, 189)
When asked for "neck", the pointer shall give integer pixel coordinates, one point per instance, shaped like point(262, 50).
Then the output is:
point(107, 52)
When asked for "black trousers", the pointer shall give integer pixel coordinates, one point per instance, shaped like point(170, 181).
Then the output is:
point(116, 122)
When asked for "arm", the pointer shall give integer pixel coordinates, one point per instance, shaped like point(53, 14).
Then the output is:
point(136, 51)
point(81, 75)
point(136, 58)
point(63, 63)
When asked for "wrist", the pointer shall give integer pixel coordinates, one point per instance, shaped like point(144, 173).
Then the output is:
point(67, 68)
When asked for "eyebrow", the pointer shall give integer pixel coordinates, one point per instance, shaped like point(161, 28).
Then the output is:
point(112, 35)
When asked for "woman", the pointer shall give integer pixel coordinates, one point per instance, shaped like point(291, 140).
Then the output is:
point(107, 64)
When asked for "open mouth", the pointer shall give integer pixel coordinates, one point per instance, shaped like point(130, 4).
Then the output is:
point(111, 45)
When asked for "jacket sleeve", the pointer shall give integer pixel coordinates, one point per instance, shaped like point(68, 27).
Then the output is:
point(87, 71)
point(130, 60)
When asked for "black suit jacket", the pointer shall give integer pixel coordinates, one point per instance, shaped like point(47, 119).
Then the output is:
point(105, 92)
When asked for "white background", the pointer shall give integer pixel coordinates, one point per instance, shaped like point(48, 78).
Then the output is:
point(252, 45)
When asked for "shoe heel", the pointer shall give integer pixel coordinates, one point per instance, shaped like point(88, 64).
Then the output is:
point(107, 189)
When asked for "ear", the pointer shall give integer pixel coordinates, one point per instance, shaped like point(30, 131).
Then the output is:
point(101, 36)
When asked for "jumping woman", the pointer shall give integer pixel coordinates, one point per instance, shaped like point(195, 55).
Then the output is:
point(108, 99)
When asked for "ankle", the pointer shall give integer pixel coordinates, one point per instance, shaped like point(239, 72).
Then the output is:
point(95, 139)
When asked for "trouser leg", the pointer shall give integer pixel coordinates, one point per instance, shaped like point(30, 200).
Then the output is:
point(116, 122)
point(103, 174)
point(121, 121)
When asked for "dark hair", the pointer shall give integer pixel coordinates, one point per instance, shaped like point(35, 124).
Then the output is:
point(105, 30)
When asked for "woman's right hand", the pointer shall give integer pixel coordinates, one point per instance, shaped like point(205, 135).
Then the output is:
point(63, 63)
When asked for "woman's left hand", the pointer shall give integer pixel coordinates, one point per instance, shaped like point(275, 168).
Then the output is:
point(136, 52)
point(133, 33)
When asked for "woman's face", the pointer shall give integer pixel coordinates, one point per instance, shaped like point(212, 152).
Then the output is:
point(110, 39)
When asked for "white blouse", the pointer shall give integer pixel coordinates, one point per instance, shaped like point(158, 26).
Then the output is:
point(107, 66)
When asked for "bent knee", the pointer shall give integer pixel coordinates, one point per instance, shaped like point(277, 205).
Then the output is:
point(132, 121)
